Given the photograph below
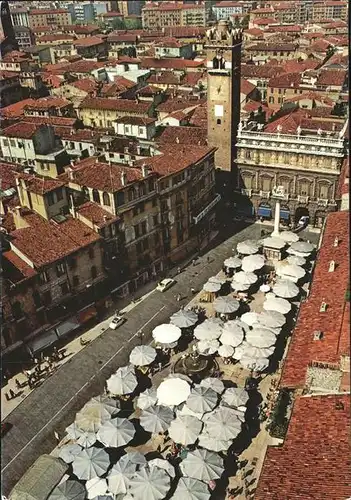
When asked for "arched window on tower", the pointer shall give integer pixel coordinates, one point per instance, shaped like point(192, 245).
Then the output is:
point(215, 63)
point(222, 63)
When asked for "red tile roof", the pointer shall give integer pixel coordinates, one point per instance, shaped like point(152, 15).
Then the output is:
point(314, 96)
point(177, 104)
point(55, 38)
point(254, 32)
point(199, 117)
point(45, 242)
point(88, 41)
point(16, 109)
point(264, 71)
point(21, 130)
point(246, 87)
point(123, 105)
point(286, 80)
point(136, 120)
point(39, 185)
point(148, 63)
point(8, 174)
point(25, 271)
point(80, 29)
point(332, 77)
point(122, 37)
point(7, 75)
point(184, 31)
point(330, 288)
point(83, 66)
point(286, 28)
point(313, 463)
point(48, 102)
point(271, 47)
point(183, 135)
point(60, 121)
point(96, 214)
point(320, 46)
point(85, 84)
point(264, 21)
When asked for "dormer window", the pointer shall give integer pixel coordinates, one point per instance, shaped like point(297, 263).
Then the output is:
point(323, 307)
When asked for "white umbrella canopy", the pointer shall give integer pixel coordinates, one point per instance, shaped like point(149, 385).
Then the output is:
point(123, 381)
point(142, 355)
point(271, 319)
point(210, 329)
point(202, 399)
point(69, 490)
point(212, 443)
point(203, 465)
point(213, 383)
point(184, 318)
point(159, 463)
point(166, 333)
point(255, 364)
point(288, 236)
point(247, 350)
point(90, 463)
point(96, 486)
point(134, 458)
point(185, 429)
point(191, 489)
point(223, 423)
point(249, 318)
point(285, 289)
point(69, 451)
point(238, 322)
point(184, 409)
point(147, 398)
point(156, 419)
point(302, 247)
point(232, 262)
point(261, 337)
point(251, 263)
point(248, 247)
point(119, 476)
point(274, 242)
point(87, 439)
point(116, 432)
point(211, 287)
point(173, 392)
point(149, 484)
point(296, 260)
point(217, 279)
point(207, 347)
point(73, 431)
point(246, 278)
point(273, 304)
point(225, 305)
point(235, 396)
point(286, 269)
point(95, 412)
point(226, 351)
point(232, 335)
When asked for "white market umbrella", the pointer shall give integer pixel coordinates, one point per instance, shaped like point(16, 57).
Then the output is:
point(202, 399)
point(249, 318)
point(160, 463)
point(207, 347)
point(73, 431)
point(255, 364)
point(185, 429)
point(232, 262)
point(288, 236)
point(251, 263)
point(69, 451)
point(302, 247)
point(123, 381)
point(191, 489)
point(135, 458)
point(149, 484)
point(232, 335)
point(213, 383)
point(217, 279)
point(245, 278)
point(95, 487)
point(271, 319)
point(184, 318)
point(147, 398)
point(156, 419)
point(277, 304)
point(142, 355)
point(212, 443)
point(235, 396)
point(173, 391)
point(274, 242)
point(87, 439)
point(203, 465)
point(238, 322)
point(225, 305)
point(223, 423)
point(184, 409)
point(286, 269)
point(119, 477)
point(285, 289)
point(210, 329)
point(211, 287)
point(247, 247)
point(261, 337)
point(90, 463)
point(116, 432)
point(95, 412)
point(226, 351)
point(295, 260)
point(166, 333)
point(69, 490)
point(246, 350)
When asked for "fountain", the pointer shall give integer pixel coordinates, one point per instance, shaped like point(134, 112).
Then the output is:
point(195, 366)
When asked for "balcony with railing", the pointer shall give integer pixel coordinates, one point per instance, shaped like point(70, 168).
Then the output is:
point(291, 138)
point(322, 202)
point(265, 194)
point(302, 199)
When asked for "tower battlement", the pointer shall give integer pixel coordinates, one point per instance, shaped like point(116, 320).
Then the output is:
point(223, 35)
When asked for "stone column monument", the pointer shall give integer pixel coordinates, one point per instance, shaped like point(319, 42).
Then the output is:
point(276, 219)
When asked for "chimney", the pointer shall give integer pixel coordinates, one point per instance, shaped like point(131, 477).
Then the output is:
point(70, 172)
point(124, 178)
point(336, 242)
point(73, 208)
point(72, 163)
point(18, 218)
point(177, 140)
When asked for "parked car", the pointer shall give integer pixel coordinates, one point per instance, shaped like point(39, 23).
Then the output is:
point(5, 427)
point(116, 322)
point(165, 284)
point(304, 220)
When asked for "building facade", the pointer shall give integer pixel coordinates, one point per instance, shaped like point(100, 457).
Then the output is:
point(165, 14)
point(300, 171)
point(49, 17)
point(226, 10)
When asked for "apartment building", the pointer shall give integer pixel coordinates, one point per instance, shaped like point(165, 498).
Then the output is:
point(329, 9)
point(49, 17)
point(160, 15)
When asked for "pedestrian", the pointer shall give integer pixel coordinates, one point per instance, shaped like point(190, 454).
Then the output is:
point(178, 297)
point(208, 259)
point(159, 366)
point(57, 437)
point(194, 262)
point(18, 385)
point(179, 270)
point(12, 393)
point(193, 290)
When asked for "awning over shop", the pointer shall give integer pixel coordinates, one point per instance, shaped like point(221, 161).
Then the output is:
point(285, 214)
point(86, 314)
point(264, 212)
point(245, 210)
point(43, 340)
point(67, 326)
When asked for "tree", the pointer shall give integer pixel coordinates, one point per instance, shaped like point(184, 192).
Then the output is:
point(245, 22)
point(236, 22)
point(132, 23)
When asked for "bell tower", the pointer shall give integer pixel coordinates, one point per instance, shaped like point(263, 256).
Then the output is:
point(223, 53)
